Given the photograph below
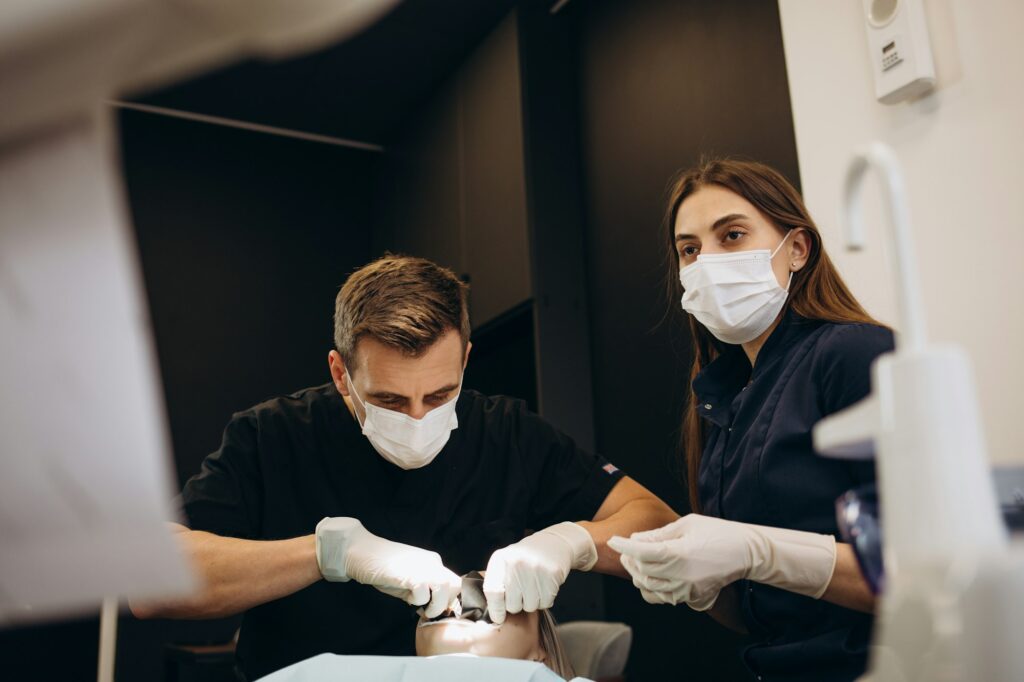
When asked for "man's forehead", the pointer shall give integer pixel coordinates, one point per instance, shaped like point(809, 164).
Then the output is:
point(388, 370)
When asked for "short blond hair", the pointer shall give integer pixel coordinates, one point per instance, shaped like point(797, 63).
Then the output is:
point(404, 302)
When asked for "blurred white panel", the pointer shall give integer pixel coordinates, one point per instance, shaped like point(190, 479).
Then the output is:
point(84, 456)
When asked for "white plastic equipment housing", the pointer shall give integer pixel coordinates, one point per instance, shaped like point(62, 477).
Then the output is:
point(922, 418)
point(949, 566)
point(899, 49)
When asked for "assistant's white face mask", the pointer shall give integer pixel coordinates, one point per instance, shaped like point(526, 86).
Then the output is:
point(406, 442)
point(735, 295)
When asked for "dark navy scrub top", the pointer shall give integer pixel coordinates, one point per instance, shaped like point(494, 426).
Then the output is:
point(759, 466)
point(288, 462)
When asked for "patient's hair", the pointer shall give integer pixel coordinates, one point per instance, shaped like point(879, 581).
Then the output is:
point(557, 660)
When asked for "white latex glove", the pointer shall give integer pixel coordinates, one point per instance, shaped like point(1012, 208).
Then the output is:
point(345, 551)
point(526, 576)
point(691, 559)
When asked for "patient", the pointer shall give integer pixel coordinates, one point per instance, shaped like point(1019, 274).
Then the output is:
point(527, 636)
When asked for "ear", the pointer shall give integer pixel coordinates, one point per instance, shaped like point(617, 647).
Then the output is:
point(465, 360)
point(799, 249)
point(337, 366)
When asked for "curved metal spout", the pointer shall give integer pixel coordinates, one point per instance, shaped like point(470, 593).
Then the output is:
point(908, 294)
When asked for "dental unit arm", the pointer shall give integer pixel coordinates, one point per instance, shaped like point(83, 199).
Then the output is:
point(948, 611)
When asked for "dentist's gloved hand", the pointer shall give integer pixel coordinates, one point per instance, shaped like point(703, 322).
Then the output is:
point(345, 551)
point(526, 576)
point(691, 559)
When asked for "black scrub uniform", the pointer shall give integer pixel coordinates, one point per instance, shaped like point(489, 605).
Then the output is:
point(289, 462)
point(759, 466)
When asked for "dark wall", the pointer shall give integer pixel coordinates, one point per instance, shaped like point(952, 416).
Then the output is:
point(452, 188)
point(663, 82)
point(503, 358)
point(244, 239)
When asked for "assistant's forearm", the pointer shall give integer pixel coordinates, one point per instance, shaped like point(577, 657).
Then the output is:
point(848, 587)
point(726, 611)
point(238, 574)
point(634, 516)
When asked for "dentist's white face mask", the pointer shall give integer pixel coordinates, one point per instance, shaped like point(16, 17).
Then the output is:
point(735, 295)
point(406, 442)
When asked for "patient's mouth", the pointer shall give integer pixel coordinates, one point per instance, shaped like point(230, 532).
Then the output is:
point(472, 603)
point(457, 622)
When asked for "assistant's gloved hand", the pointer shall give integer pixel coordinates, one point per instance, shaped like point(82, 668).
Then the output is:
point(691, 559)
point(345, 551)
point(526, 576)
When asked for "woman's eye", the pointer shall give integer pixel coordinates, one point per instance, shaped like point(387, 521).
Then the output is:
point(689, 251)
point(733, 235)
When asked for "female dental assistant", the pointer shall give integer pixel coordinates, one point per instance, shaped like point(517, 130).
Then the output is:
point(779, 343)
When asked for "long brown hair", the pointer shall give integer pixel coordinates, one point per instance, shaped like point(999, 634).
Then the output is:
point(817, 292)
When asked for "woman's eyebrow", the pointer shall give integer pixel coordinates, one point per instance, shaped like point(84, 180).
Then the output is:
point(724, 220)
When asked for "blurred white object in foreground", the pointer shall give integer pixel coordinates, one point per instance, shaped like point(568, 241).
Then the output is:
point(85, 481)
point(953, 586)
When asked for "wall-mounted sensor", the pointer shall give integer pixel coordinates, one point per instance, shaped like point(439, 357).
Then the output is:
point(900, 52)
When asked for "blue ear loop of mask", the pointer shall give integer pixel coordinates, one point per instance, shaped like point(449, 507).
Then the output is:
point(858, 516)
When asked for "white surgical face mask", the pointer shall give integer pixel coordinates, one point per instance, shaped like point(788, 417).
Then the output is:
point(735, 295)
point(406, 442)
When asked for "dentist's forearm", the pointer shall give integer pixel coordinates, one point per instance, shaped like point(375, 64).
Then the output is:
point(237, 575)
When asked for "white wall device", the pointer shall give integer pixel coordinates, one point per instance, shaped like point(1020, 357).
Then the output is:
point(899, 49)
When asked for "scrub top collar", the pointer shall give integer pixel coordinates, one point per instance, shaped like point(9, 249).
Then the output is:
point(717, 385)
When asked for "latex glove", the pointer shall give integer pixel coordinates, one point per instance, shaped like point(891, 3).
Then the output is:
point(527, 575)
point(691, 559)
point(345, 551)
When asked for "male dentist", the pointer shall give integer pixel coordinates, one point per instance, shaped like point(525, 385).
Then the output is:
point(325, 514)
